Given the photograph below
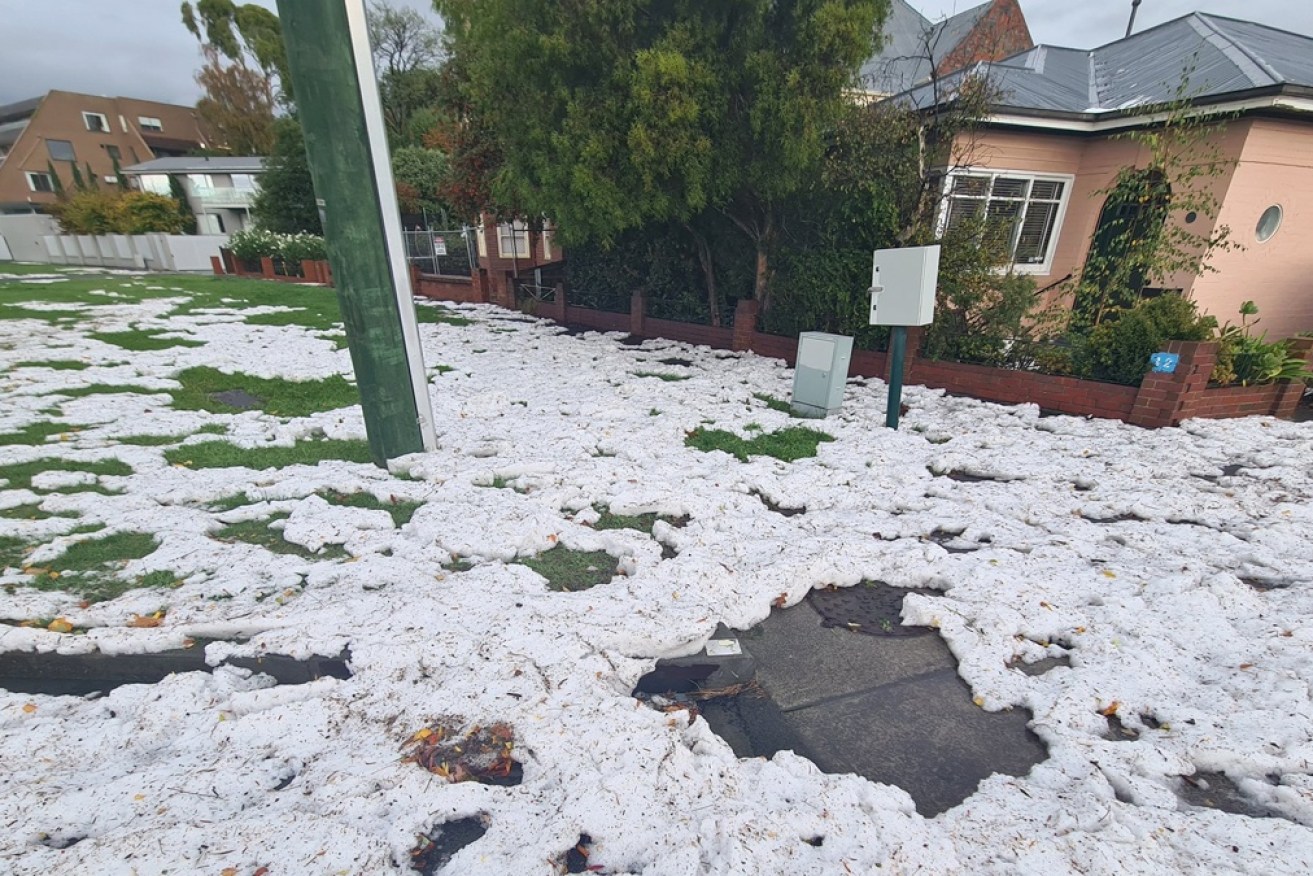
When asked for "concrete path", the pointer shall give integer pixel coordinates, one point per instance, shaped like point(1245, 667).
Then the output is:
point(892, 709)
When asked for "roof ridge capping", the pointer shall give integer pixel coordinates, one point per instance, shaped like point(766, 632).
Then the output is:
point(1251, 65)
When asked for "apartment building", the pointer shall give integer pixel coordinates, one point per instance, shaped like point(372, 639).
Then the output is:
point(54, 132)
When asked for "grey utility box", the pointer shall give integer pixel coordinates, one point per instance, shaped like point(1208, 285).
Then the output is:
point(821, 373)
point(903, 285)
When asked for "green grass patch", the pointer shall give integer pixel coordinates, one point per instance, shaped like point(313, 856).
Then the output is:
point(313, 307)
point(795, 442)
point(430, 314)
point(81, 289)
point(568, 571)
point(444, 369)
point(31, 511)
point(25, 268)
point(228, 503)
point(109, 389)
point(282, 398)
point(12, 552)
point(35, 433)
point(54, 364)
point(19, 475)
point(221, 454)
point(776, 404)
point(15, 311)
point(402, 510)
point(640, 522)
point(261, 533)
point(143, 340)
point(88, 568)
point(662, 375)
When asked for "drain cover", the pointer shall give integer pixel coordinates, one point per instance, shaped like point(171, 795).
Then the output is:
point(872, 607)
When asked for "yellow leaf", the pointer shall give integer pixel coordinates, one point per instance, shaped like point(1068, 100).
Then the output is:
point(978, 700)
point(1111, 709)
point(144, 621)
point(423, 733)
point(60, 625)
point(138, 796)
point(1109, 573)
point(29, 708)
point(228, 871)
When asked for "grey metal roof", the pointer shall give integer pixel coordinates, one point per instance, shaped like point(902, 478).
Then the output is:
point(198, 164)
point(910, 43)
point(1213, 55)
point(19, 110)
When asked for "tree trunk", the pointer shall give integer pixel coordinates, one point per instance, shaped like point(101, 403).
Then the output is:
point(708, 273)
point(761, 283)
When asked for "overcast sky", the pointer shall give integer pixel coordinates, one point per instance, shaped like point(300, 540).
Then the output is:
point(140, 48)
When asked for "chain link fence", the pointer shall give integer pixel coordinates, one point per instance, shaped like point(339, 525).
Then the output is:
point(442, 253)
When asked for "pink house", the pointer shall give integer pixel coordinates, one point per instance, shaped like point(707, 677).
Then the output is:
point(1051, 148)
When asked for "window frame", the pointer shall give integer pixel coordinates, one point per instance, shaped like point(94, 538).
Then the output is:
point(1068, 181)
point(515, 229)
point(87, 115)
point(72, 151)
point(33, 174)
point(150, 123)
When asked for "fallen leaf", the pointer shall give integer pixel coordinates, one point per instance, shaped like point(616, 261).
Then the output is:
point(141, 621)
point(1045, 605)
point(138, 796)
point(779, 601)
point(228, 871)
point(1246, 666)
point(60, 625)
point(1111, 709)
point(261, 872)
point(1109, 573)
point(29, 708)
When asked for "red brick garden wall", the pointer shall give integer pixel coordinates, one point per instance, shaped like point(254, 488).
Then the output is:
point(1160, 400)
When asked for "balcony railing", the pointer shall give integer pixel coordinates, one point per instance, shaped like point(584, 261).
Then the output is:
point(224, 198)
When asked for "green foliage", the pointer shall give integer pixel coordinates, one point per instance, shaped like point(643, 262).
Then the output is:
point(662, 375)
point(54, 364)
point(983, 313)
point(614, 114)
point(113, 211)
point(1245, 359)
point(252, 244)
point(419, 174)
point(408, 98)
point(790, 444)
point(221, 454)
point(568, 571)
point(282, 398)
point(56, 184)
point(286, 200)
point(179, 195)
point(1118, 349)
point(246, 34)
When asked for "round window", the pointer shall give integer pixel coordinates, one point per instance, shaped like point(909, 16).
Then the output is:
point(1268, 223)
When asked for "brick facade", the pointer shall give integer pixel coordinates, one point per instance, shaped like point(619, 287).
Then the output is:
point(1000, 33)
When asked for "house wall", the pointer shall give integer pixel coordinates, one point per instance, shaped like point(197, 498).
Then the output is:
point(59, 117)
point(1275, 167)
point(1094, 163)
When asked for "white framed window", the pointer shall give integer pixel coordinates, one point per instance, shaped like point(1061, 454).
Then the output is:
point(1025, 209)
point(547, 241)
point(150, 123)
point(481, 237)
point(95, 122)
point(513, 240)
point(154, 182)
point(244, 182)
point(40, 182)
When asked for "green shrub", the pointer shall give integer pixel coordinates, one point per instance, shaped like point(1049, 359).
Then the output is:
point(253, 244)
point(111, 211)
point(1245, 359)
point(1118, 349)
point(296, 248)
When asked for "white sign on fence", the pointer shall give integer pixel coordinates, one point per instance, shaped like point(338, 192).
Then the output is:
point(439, 245)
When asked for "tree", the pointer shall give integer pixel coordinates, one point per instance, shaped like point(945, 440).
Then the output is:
point(408, 98)
point(402, 40)
point(616, 113)
point(179, 195)
point(237, 106)
point(419, 174)
point(247, 35)
point(286, 201)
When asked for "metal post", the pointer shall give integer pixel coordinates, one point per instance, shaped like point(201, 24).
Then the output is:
point(332, 70)
point(897, 349)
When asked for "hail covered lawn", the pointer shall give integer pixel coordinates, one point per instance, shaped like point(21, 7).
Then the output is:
point(1172, 568)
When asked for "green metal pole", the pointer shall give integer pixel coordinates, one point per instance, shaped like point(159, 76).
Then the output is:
point(347, 160)
point(897, 349)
